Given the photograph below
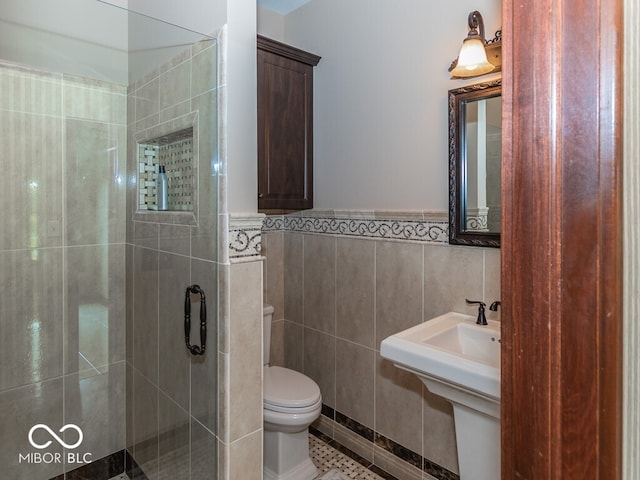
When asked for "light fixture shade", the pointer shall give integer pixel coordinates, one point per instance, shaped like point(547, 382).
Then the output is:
point(472, 60)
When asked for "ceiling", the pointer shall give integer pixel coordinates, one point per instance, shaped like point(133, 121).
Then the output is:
point(282, 7)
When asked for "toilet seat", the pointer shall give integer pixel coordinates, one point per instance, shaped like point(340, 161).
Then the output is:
point(288, 391)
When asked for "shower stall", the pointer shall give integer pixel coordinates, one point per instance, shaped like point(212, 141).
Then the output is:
point(95, 377)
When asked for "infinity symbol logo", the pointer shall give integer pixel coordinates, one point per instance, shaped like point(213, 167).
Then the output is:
point(53, 434)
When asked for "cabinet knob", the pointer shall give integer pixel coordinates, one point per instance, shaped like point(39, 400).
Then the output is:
point(260, 195)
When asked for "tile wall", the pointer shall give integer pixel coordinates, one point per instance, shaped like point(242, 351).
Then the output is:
point(341, 282)
point(172, 403)
point(62, 266)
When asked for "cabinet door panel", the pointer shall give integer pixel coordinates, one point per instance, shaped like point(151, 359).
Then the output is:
point(285, 126)
point(286, 148)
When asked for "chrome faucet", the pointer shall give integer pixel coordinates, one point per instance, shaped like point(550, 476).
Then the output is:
point(482, 319)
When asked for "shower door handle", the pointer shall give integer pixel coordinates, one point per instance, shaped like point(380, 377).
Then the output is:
point(195, 349)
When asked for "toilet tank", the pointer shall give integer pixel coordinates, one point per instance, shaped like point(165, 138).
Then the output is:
point(267, 317)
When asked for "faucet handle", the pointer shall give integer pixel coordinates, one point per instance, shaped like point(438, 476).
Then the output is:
point(494, 306)
point(475, 302)
point(482, 319)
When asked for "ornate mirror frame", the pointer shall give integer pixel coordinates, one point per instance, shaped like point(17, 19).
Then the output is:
point(458, 98)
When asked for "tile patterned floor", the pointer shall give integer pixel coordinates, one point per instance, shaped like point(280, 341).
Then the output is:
point(326, 458)
point(331, 463)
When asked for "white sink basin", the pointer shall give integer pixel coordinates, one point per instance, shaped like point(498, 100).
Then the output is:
point(459, 361)
point(451, 348)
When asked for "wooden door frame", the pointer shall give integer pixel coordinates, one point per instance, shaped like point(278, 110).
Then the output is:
point(562, 240)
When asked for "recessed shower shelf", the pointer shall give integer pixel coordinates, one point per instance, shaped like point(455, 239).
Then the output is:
point(172, 145)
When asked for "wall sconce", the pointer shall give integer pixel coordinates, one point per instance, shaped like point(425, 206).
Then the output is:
point(477, 55)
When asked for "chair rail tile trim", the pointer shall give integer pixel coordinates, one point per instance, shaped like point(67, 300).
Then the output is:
point(431, 227)
point(245, 236)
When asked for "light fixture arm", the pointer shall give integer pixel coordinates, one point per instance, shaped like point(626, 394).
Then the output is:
point(476, 23)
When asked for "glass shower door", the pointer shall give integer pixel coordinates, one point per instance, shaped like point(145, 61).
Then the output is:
point(94, 375)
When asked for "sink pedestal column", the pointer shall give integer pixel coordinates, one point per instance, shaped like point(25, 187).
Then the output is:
point(478, 441)
point(477, 423)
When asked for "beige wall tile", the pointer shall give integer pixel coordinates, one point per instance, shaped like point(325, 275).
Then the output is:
point(174, 239)
point(273, 250)
point(175, 85)
point(399, 284)
point(293, 277)
point(30, 91)
point(129, 269)
point(355, 290)
point(245, 347)
point(452, 274)
point(93, 103)
point(405, 273)
point(32, 291)
point(147, 100)
point(146, 234)
point(294, 346)
point(174, 275)
point(439, 431)
point(31, 181)
point(355, 381)
point(204, 368)
point(204, 70)
point(398, 405)
point(242, 459)
point(273, 291)
point(276, 356)
point(94, 199)
point(145, 313)
point(117, 258)
point(95, 306)
point(320, 362)
point(319, 283)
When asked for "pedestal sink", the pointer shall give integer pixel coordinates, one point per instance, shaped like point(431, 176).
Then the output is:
point(459, 361)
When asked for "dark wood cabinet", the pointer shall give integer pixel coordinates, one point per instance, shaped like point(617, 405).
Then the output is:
point(285, 126)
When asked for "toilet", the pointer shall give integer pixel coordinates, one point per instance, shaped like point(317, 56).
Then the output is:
point(291, 402)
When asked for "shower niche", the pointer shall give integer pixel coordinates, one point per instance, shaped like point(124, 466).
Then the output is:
point(172, 145)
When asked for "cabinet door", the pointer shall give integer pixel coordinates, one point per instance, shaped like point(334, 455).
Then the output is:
point(285, 133)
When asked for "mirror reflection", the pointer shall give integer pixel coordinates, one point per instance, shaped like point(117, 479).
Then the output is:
point(475, 152)
point(483, 126)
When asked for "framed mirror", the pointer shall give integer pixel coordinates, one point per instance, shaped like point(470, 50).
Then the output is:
point(475, 157)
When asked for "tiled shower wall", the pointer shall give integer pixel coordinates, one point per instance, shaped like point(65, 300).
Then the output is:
point(172, 403)
point(62, 264)
point(338, 292)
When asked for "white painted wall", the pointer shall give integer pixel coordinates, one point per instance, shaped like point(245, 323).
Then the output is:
point(271, 24)
point(380, 105)
point(242, 107)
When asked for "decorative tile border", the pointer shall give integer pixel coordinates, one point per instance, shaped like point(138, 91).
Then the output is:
point(406, 455)
point(245, 236)
point(432, 227)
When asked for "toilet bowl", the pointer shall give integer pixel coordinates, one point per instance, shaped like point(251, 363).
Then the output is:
point(291, 401)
